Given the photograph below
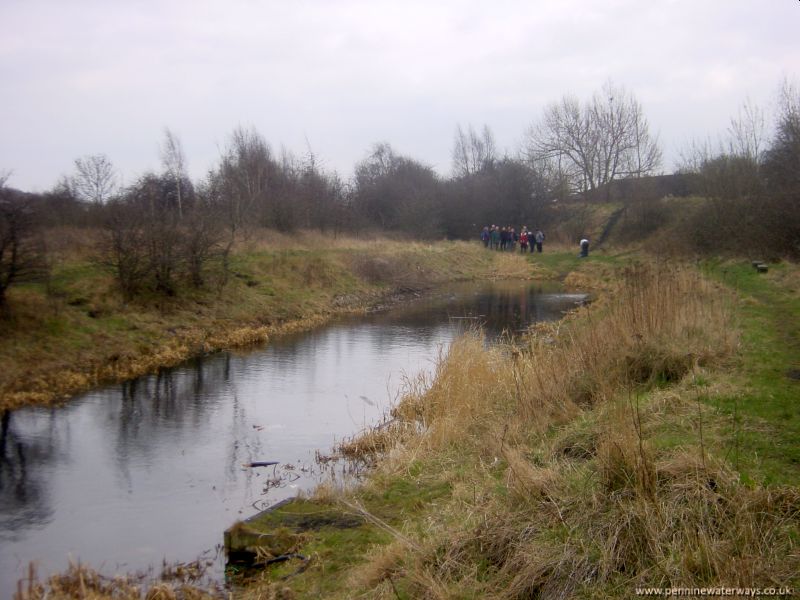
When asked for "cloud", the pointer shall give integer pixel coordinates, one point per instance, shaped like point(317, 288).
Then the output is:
point(92, 76)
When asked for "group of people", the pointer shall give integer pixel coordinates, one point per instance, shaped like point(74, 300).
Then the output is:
point(506, 238)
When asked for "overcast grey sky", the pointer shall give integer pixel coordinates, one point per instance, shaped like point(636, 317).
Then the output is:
point(106, 76)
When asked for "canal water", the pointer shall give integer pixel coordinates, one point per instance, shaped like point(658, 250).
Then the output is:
point(129, 475)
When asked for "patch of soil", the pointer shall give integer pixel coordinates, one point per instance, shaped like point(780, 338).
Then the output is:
point(312, 522)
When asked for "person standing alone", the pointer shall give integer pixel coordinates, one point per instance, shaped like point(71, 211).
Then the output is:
point(539, 237)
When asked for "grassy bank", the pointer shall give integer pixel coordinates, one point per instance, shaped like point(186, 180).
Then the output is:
point(762, 411)
point(648, 440)
point(77, 331)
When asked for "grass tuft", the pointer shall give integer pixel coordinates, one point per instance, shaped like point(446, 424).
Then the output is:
point(584, 462)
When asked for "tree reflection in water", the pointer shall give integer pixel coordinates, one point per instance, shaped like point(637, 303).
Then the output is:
point(24, 495)
point(153, 467)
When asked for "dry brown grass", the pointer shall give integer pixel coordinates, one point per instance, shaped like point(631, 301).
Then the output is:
point(382, 564)
point(787, 278)
point(44, 387)
point(660, 324)
point(270, 239)
point(512, 266)
point(559, 487)
point(698, 527)
point(401, 264)
point(368, 445)
point(654, 327)
point(72, 243)
point(79, 582)
point(83, 334)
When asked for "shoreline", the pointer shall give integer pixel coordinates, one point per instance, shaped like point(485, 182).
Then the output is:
point(482, 467)
point(199, 343)
point(166, 339)
point(493, 462)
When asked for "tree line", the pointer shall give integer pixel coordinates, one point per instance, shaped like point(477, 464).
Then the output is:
point(750, 178)
point(164, 230)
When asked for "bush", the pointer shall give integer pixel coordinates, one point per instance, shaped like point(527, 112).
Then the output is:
point(22, 248)
point(150, 245)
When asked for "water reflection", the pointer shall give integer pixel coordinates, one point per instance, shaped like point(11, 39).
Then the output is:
point(24, 498)
point(500, 307)
point(152, 468)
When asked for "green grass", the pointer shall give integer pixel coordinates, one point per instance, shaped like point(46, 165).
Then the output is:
point(747, 414)
point(336, 537)
point(326, 534)
point(763, 425)
point(79, 321)
point(558, 264)
point(759, 422)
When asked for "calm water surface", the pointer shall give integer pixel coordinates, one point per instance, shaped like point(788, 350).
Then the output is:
point(128, 475)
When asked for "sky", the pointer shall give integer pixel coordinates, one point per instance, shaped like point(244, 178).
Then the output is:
point(337, 76)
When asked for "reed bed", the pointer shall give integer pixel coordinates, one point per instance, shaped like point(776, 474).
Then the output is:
point(176, 582)
point(560, 487)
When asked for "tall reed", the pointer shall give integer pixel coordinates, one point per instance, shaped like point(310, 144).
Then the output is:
point(561, 489)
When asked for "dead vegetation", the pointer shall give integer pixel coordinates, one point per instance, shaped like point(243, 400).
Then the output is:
point(79, 332)
point(176, 582)
point(582, 462)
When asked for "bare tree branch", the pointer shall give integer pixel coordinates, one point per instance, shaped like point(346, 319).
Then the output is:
point(592, 144)
point(95, 179)
point(174, 162)
point(473, 152)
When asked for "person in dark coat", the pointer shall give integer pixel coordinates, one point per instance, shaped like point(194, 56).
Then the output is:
point(485, 236)
point(539, 237)
point(494, 236)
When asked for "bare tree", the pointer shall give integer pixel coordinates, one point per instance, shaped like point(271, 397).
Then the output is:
point(473, 152)
point(746, 139)
point(124, 246)
point(782, 173)
point(560, 144)
point(148, 246)
point(319, 192)
point(729, 168)
point(694, 154)
point(593, 144)
point(22, 253)
point(245, 175)
point(174, 163)
point(397, 192)
point(783, 157)
point(202, 240)
point(752, 186)
point(645, 156)
point(748, 132)
point(95, 179)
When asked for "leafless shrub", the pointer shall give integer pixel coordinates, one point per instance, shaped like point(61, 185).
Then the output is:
point(22, 248)
point(151, 244)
